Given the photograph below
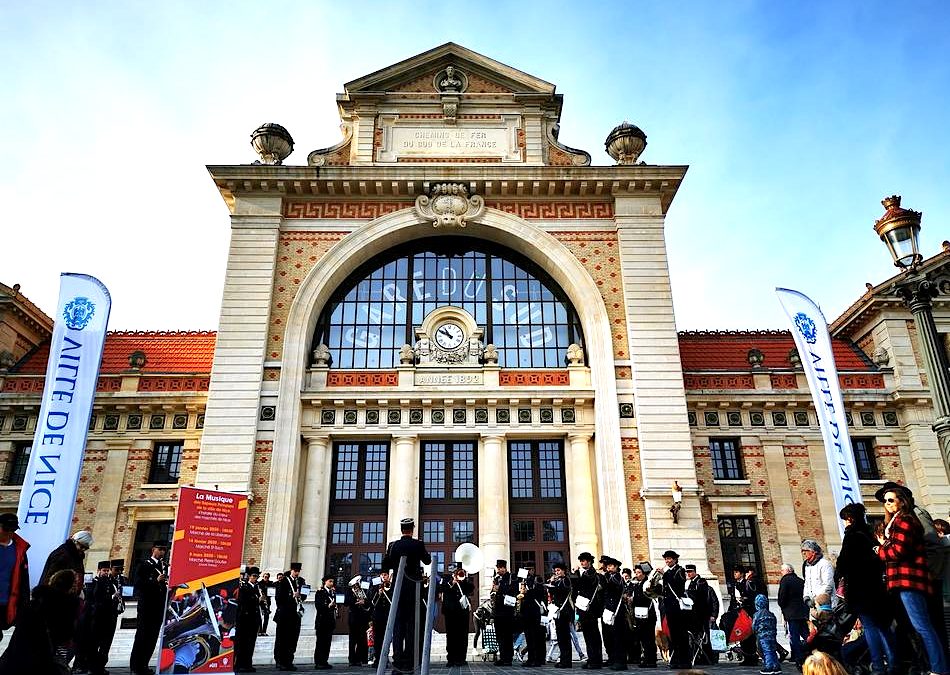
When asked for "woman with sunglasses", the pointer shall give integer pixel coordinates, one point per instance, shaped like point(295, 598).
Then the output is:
point(905, 562)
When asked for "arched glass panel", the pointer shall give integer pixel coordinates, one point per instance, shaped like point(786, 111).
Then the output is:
point(523, 312)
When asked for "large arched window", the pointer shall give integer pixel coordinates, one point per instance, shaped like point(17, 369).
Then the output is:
point(524, 313)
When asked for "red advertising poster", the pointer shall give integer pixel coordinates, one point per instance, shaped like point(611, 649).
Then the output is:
point(204, 574)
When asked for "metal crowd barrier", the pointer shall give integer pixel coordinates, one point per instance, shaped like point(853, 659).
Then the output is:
point(421, 665)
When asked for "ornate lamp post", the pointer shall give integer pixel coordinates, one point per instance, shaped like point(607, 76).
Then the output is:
point(899, 229)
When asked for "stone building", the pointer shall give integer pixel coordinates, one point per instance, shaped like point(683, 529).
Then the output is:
point(452, 315)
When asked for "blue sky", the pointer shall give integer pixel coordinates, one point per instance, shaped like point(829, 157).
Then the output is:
point(795, 119)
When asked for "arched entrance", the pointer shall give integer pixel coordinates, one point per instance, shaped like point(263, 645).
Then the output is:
point(376, 237)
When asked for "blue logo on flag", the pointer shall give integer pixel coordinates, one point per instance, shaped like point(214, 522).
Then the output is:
point(78, 313)
point(806, 327)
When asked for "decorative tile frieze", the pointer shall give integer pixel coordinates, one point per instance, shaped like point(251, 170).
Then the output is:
point(268, 413)
point(524, 415)
point(111, 423)
point(691, 418)
point(533, 378)
point(568, 416)
point(200, 421)
point(757, 418)
point(734, 418)
point(779, 418)
point(890, 418)
point(328, 417)
point(481, 415)
point(458, 416)
point(415, 416)
point(502, 416)
point(438, 416)
point(156, 422)
point(626, 410)
point(133, 422)
point(372, 416)
point(362, 378)
point(394, 416)
point(867, 418)
point(349, 416)
point(547, 416)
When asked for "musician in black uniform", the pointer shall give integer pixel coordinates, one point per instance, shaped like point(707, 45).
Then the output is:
point(504, 585)
point(698, 618)
point(533, 606)
point(589, 585)
point(265, 583)
point(151, 588)
point(677, 619)
point(357, 621)
point(560, 590)
point(616, 636)
point(289, 603)
point(381, 602)
point(248, 622)
point(405, 627)
point(644, 621)
point(456, 590)
point(324, 604)
point(742, 592)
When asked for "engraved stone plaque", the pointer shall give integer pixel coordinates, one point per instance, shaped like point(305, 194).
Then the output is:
point(402, 141)
point(443, 379)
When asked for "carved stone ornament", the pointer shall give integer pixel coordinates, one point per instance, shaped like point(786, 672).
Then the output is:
point(321, 356)
point(449, 205)
point(490, 355)
point(575, 355)
point(881, 357)
point(407, 355)
point(450, 81)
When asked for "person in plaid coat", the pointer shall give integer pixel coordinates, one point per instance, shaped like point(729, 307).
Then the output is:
point(905, 563)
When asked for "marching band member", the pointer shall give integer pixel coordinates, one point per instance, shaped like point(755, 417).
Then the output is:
point(644, 620)
point(590, 585)
point(456, 605)
point(100, 615)
point(289, 603)
point(504, 585)
point(151, 588)
point(564, 615)
point(616, 633)
point(532, 608)
point(357, 621)
point(405, 627)
point(382, 602)
point(701, 616)
point(674, 587)
point(248, 622)
point(265, 583)
point(324, 603)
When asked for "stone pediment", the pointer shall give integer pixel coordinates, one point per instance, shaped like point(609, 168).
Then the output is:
point(449, 105)
point(419, 75)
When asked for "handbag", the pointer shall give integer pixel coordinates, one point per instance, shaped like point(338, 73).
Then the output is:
point(610, 616)
point(717, 640)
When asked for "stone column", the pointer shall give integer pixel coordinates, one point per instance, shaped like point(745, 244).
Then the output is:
point(581, 512)
point(403, 483)
point(492, 503)
point(110, 493)
point(312, 541)
point(786, 522)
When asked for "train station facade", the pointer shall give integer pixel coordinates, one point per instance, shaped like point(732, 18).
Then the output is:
point(452, 315)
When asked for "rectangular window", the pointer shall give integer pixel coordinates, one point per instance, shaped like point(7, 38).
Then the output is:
point(739, 542)
point(864, 458)
point(726, 460)
point(433, 531)
point(166, 462)
point(448, 471)
point(21, 459)
point(360, 473)
point(536, 470)
point(372, 532)
point(341, 533)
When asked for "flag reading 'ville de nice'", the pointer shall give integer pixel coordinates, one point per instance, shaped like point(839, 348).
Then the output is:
point(810, 331)
point(204, 576)
point(52, 476)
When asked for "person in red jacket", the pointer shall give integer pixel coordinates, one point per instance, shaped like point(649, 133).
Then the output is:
point(14, 572)
point(905, 563)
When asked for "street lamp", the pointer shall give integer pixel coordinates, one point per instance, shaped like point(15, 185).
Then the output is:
point(899, 229)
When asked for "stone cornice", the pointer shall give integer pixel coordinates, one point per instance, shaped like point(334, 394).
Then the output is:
point(407, 182)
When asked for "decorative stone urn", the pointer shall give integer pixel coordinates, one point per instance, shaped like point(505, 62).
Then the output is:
point(626, 143)
point(272, 142)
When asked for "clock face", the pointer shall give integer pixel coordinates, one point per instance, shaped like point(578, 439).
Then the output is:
point(449, 335)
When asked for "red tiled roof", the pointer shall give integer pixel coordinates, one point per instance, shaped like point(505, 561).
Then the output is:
point(165, 352)
point(729, 350)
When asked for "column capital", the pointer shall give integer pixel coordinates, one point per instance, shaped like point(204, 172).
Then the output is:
point(493, 436)
point(578, 436)
point(316, 438)
point(405, 438)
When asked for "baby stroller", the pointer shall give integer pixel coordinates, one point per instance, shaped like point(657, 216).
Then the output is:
point(830, 632)
point(738, 628)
